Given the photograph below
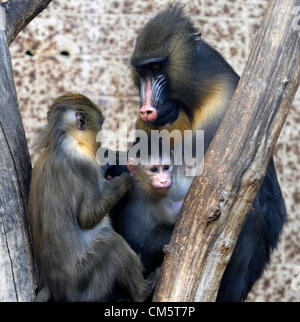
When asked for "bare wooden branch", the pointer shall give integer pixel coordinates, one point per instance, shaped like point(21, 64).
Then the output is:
point(19, 13)
point(17, 269)
point(235, 163)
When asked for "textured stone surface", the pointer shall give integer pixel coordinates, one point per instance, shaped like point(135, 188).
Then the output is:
point(98, 36)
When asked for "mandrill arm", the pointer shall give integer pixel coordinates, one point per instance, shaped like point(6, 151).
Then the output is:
point(108, 195)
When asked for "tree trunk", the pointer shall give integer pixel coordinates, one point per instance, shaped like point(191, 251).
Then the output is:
point(19, 13)
point(17, 268)
point(216, 205)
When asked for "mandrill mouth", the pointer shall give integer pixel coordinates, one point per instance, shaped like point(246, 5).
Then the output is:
point(162, 191)
point(162, 188)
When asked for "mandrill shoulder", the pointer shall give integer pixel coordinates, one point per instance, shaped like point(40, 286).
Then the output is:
point(213, 104)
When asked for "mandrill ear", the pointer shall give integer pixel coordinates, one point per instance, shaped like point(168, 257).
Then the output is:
point(131, 165)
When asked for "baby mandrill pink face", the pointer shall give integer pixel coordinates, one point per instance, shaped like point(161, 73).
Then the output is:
point(157, 178)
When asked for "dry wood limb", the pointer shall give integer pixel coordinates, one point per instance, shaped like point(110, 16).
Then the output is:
point(17, 268)
point(235, 163)
point(19, 13)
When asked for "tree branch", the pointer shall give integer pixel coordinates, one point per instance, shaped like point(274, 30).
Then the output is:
point(19, 13)
point(17, 267)
point(235, 163)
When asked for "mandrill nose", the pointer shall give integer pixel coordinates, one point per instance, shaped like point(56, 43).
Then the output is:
point(148, 113)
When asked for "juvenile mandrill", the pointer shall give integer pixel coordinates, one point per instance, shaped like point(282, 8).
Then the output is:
point(187, 85)
point(79, 256)
point(147, 213)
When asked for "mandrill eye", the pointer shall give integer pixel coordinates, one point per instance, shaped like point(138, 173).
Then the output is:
point(153, 169)
point(166, 167)
point(155, 68)
point(100, 122)
point(81, 121)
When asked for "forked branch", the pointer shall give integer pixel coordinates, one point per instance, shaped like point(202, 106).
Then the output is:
point(19, 13)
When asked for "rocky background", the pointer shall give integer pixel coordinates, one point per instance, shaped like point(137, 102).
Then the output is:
point(84, 46)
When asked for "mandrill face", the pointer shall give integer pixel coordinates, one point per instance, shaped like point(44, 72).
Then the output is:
point(155, 105)
point(159, 177)
point(165, 67)
point(76, 121)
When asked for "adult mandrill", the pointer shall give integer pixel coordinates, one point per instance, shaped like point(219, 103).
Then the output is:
point(79, 256)
point(187, 85)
